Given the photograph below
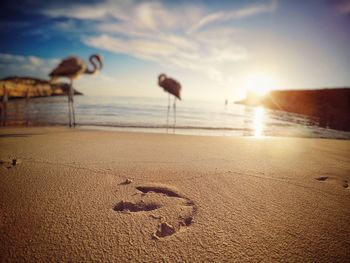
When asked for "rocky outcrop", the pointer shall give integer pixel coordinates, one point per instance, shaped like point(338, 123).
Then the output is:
point(24, 87)
point(328, 107)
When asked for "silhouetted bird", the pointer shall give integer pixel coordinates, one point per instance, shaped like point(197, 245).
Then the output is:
point(172, 87)
point(71, 68)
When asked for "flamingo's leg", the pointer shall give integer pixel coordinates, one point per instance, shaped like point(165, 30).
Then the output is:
point(72, 101)
point(167, 117)
point(174, 113)
point(69, 108)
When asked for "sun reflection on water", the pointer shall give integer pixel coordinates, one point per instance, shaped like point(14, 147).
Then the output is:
point(259, 121)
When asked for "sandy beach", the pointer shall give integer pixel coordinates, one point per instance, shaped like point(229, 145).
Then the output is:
point(64, 197)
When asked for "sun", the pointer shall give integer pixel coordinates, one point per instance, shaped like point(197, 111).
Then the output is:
point(260, 84)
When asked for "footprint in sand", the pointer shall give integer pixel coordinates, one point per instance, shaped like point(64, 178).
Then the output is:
point(330, 179)
point(162, 203)
point(10, 163)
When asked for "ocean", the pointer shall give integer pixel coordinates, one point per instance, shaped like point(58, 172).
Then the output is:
point(150, 115)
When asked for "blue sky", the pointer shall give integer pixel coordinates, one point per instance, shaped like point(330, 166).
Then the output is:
point(216, 49)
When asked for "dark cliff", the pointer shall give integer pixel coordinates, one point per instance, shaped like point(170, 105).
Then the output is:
point(329, 107)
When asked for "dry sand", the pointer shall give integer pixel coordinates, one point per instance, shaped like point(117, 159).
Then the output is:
point(192, 199)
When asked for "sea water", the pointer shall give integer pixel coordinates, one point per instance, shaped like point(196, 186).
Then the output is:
point(150, 115)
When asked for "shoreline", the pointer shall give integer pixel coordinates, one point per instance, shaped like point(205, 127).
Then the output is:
point(192, 131)
point(188, 198)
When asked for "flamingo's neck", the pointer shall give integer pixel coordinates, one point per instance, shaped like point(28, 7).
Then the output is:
point(94, 67)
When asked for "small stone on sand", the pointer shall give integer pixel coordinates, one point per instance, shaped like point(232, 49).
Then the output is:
point(165, 229)
point(127, 181)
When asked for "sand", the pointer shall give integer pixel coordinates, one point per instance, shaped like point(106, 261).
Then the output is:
point(64, 197)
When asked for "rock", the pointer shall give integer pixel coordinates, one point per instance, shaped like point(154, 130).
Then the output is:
point(25, 87)
point(165, 229)
point(128, 181)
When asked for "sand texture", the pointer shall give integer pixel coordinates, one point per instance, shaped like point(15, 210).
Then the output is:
point(81, 195)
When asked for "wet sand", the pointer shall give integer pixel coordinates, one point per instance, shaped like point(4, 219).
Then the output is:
point(65, 197)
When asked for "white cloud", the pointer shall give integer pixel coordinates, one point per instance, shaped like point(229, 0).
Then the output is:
point(234, 14)
point(177, 37)
point(68, 25)
point(80, 12)
point(151, 15)
point(184, 36)
point(149, 49)
point(26, 65)
point(6, 58)
point(35, 61)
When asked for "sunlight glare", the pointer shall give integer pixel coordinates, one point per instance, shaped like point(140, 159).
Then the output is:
point(260, 83)
point(258, 121)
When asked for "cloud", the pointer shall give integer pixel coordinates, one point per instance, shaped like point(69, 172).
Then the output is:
point(77, 11)
point(35, 61)
point(8, 58)
point(172, 37)
point(234, 14)
point(197, 54)
point(184, 35)
point(26, 65)
point(68, 25)
point(142, 14)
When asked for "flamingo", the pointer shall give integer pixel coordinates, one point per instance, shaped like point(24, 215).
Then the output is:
point(172, 87)
point(72, 68)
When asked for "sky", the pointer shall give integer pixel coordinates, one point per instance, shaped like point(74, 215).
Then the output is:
point(217, 50)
